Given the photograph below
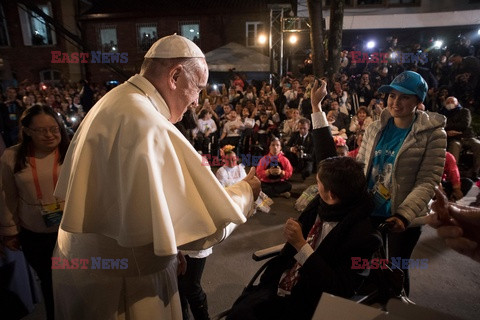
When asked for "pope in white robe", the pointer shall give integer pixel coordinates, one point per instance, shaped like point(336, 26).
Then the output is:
point(135, 191)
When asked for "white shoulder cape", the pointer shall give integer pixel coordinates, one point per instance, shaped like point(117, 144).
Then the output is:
point(129, 174)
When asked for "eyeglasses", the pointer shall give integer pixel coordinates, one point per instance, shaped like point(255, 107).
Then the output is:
point(44, 131)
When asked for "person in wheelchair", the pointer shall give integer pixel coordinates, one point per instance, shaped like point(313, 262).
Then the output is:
point(317, 257)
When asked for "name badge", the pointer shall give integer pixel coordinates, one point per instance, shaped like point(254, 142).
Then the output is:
point(381, 190)
point(52, 214)
point(12, 116)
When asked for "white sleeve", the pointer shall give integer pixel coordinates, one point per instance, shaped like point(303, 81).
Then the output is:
point(305, 252)
point(243, 173)
point(242, 194)
point(319, 120)
point(214, 126)
point(222, 176)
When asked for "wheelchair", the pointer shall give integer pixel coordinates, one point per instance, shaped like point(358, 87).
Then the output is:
point(376, 290)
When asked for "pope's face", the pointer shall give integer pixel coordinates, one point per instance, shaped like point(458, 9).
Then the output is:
point(189, 85)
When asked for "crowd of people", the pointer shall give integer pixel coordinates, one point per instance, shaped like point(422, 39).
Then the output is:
point(70, 100)
point(377, 156)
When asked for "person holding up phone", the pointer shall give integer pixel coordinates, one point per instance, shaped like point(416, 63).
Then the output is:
point(274, 170)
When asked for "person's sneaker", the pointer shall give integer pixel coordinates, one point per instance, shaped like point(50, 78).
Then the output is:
point(286, 195)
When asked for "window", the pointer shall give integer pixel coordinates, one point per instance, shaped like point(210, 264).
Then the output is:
point(35, 31)
point(108, 39)
point(253, 30)
point(3, 29)
point(397, 2)
point(146, 36)
point(50, 76)
point(369, 2)
point(366, 3)
point(191, 30)
point(348, 3)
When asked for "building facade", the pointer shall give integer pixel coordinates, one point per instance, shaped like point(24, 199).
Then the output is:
point(106, 40)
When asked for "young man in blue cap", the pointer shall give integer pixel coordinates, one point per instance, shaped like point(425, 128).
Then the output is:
point(404, 155)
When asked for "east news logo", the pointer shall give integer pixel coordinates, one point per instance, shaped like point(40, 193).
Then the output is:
point(83, 57)
point(92, 263)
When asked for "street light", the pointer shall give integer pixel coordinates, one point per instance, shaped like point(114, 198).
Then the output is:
point(262, 39)
point(371, 44)
point(293, 39)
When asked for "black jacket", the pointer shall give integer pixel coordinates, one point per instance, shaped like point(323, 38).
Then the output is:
point(458, 119)
point(329, 268)
point(296, 141)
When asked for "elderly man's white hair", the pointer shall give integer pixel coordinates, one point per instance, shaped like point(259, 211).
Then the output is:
point(455, 100)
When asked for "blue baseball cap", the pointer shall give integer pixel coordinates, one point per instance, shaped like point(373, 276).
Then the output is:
point(408, 82)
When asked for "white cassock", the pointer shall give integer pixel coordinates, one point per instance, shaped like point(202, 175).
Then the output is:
point(135, 189)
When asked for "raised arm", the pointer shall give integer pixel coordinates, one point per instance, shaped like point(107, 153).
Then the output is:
point(323, 144)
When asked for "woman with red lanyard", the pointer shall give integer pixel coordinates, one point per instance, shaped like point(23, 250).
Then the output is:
point(28, 174)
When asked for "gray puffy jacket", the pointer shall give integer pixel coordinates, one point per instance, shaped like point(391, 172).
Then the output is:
point(419, 164)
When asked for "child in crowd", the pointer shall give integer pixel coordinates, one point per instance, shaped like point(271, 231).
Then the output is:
point(341, 146)
point(290, 125)
point(232, 130)
point(274, 170)
point(262, 131)
point(206, 127)
point(231, 172)
point(332, 117)
point(358, 138)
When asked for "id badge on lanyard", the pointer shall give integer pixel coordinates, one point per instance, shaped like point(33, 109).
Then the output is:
point(381, 190)
point(52, 212)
